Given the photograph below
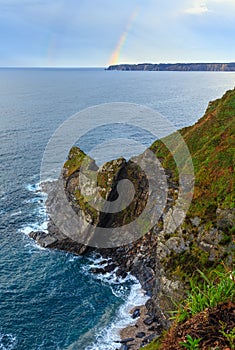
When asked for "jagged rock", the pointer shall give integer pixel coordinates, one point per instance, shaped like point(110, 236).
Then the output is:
point(162, 250)
point(176, 244)
point(121, 273)
point(126, 340)
point(195, 221)
point(105, 269)
point(124, 347)
point(145, 275)
point(136, 313)
point(140, 335)
point(149, 320)
point(149, 338)
point(225, 218)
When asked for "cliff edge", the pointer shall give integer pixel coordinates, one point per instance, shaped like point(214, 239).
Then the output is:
point(164, 263)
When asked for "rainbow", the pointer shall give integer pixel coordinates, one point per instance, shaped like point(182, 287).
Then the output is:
point(116, 53)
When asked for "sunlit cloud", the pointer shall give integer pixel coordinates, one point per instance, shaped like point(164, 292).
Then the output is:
point(198, 7)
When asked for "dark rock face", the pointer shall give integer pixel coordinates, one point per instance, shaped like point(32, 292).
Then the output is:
point(136, 313)
point(127, 340)
point(139, 258)
point(225, 218)
point(125, 347)
point(56, 240)
point(145, 275)
point(140, 335)
point(149, 320)
point(148, 339)
point(206, 67)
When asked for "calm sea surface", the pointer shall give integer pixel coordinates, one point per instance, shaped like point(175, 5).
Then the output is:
point(49, 299)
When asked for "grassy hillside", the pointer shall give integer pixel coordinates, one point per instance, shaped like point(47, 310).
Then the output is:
point(205, 319)
point(211, 142)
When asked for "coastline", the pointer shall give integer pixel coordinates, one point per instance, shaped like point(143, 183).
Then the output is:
point(134, 259)
point(175, 67)
point(117, 262)
point(161, 261)
point(111, 336)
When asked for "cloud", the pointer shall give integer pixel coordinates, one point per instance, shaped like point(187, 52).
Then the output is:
point(223, 1)
point(85, 32)
point(198, 8)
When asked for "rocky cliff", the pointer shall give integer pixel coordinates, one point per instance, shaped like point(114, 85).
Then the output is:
point(185, 67)
point(162, 262)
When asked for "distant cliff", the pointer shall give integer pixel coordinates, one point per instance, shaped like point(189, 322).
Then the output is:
point(205, 67)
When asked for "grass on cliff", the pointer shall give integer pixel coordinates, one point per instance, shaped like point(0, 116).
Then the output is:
point(74, 161)
point(206, 314)
point(211, 143)
point(218, 288)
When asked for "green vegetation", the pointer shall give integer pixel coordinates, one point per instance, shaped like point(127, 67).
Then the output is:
point(183, 265)
point(191, 343)
point(211, 142)
point(74, 162)
point(230, 336)
point(213, 291)
point(154, 345)
point(219, 288)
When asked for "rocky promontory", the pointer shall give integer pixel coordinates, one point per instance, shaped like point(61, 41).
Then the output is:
point(183, 67)
point(163, 262)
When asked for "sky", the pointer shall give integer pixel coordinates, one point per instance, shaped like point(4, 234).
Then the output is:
point(96, 33)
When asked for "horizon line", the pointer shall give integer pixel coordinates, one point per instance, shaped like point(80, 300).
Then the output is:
point(105, 66)
point(52, 67)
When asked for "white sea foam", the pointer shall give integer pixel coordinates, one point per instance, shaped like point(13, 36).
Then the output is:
point(33, 187)
point(2, 194)
point(32, 200)
point(7, 341)
point(105, 339)
point(15, 213)
point(72, 258)
point(34, 247)
point(117, 284)
point(34, 227)
point(40, 210)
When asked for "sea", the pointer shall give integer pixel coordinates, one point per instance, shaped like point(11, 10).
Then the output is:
point(51, 300)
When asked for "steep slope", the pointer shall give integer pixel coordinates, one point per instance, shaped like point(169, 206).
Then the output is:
point(211, 142)
point(206, 236)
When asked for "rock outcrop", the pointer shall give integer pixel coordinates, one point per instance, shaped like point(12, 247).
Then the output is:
point(161, 261)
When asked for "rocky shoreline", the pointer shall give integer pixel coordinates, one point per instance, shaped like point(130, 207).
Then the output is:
point(146, 260)
point(162, 261)
point(138, 258)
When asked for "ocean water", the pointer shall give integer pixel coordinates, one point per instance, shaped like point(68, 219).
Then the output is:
point(49, 299)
